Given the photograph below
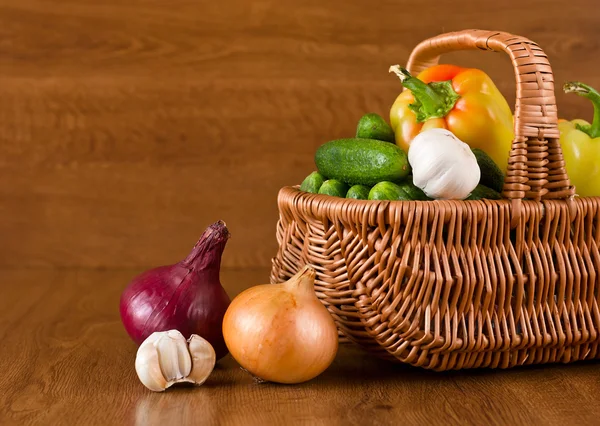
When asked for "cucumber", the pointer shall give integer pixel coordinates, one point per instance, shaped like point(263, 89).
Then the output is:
point(491, 175)
point(480, 192)
point(412, 191)
point(373, 126)
point(405, 191)
point(358, 192)
point(362, 161)
point(388, 191)
point(312, 183)
point(334, 188)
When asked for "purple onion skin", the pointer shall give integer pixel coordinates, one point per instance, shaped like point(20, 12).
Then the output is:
point(186, 296)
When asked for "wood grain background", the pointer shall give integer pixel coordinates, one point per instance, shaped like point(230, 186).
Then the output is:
point(127, 127)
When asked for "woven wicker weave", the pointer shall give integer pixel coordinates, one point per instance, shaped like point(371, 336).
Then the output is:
point(462, 284)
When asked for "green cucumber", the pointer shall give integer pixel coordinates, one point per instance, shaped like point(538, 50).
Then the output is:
point(388, 191)
point(312, 183)
point(373, 126)
point(362, 161)
point(334, 188)
point(483, 192)
point(405, 191)
point(491, 175)
point(358, 192)
point(412, 191)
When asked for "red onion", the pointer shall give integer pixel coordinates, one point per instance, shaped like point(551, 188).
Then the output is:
point(186, 296)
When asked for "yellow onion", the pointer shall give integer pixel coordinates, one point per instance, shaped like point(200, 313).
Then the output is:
point(281, 332)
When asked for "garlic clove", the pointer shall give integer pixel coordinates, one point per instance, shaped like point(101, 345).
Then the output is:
point(165, 358)
point(203, 359)
point(173, 356)
point(147, 365)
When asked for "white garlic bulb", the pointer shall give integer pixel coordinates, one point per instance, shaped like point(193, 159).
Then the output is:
point(443, 166)
point(165, 358)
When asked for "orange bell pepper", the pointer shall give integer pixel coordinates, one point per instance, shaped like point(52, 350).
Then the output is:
point(463, 100)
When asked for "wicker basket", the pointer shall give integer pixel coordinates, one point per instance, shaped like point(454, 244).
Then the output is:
point(462, 284)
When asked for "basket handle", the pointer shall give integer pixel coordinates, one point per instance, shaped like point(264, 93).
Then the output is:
point(536, 169)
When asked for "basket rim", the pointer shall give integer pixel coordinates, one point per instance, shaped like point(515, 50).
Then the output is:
point(504, 201)
point(321, 205)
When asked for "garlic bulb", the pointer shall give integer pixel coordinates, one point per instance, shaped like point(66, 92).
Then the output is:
point(165, 358)
point(281, 332)
point(443, 166)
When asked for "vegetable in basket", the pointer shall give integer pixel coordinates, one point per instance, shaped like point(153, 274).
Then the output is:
point(373, 126)
point(444, 167)
point(580, 143)
point(482, 192)
point(463, 100)
point(358, 192)
point(334, 187)
point(312, 183)
point(491, 175)
point(361, 161)
point(405, 191)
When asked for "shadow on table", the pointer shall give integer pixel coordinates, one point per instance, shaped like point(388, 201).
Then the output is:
point(354, 365)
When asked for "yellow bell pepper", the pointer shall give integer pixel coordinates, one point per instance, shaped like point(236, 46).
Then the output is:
point(580, 142)
point(463, 100)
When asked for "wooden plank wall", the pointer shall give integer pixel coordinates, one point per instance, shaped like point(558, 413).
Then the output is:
point(127, 127)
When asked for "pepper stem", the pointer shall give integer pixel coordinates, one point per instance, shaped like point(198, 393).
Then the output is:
point(592, 94)
point(432, 100)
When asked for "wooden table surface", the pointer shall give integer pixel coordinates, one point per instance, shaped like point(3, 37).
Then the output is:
point(67, 360)
point(127, 127)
